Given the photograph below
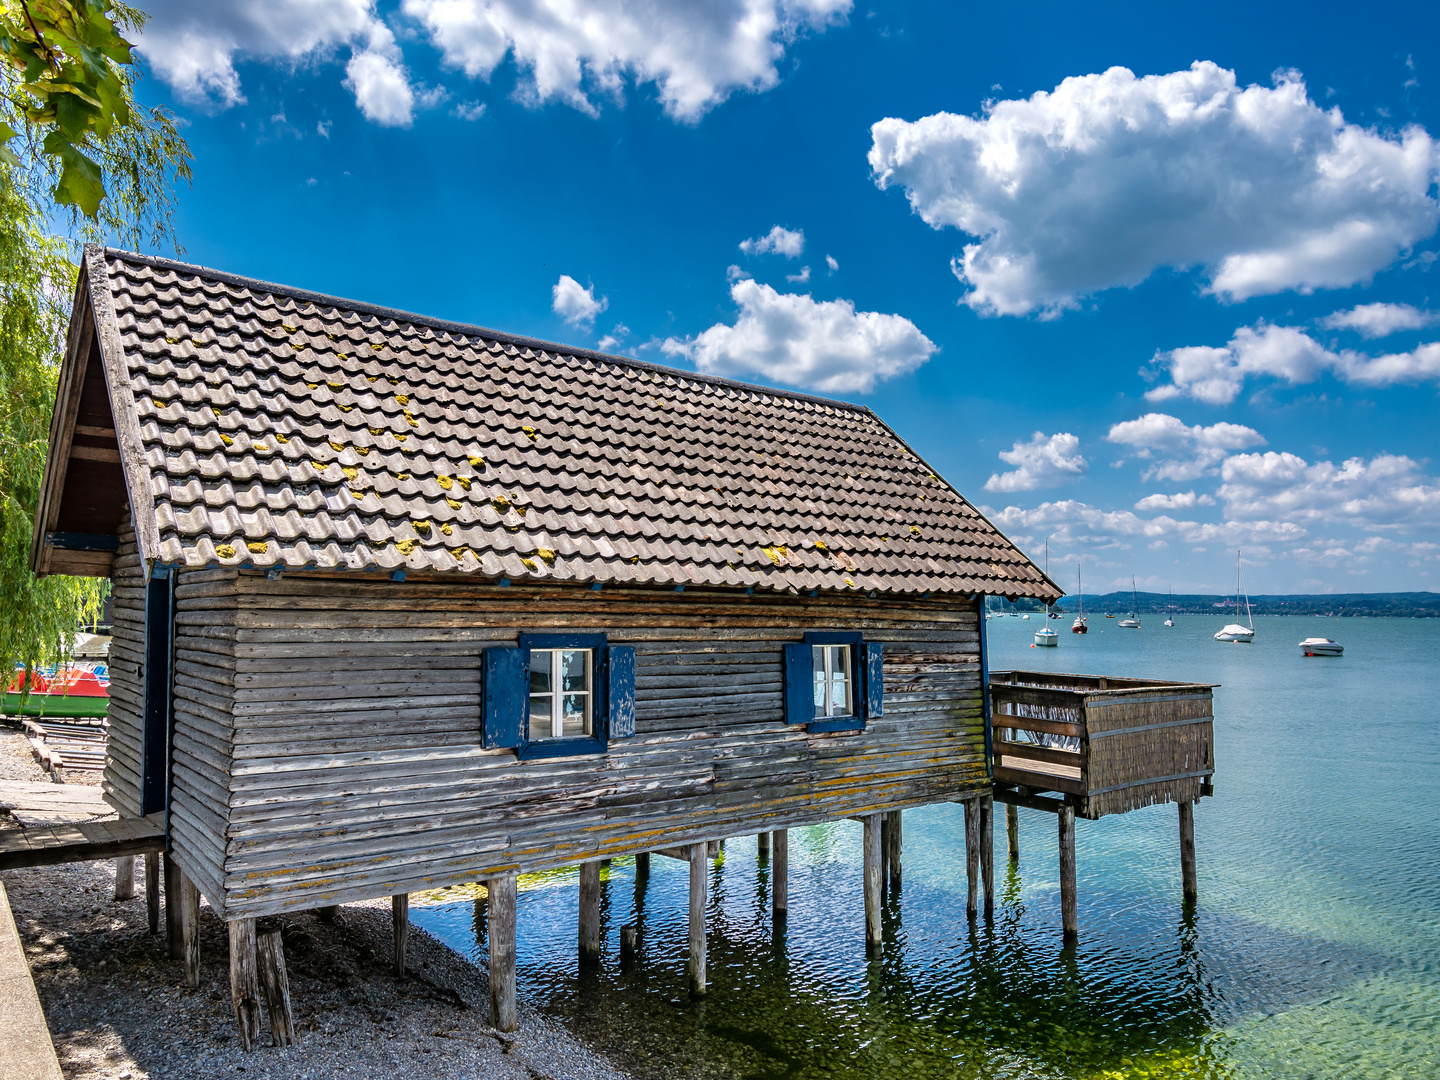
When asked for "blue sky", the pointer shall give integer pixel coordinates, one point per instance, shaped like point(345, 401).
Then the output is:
point(1016, 223)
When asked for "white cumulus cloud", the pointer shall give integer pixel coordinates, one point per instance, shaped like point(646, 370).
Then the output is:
point(696, 53)
point(1388, 490)
point(792, 338)
point(575, 303)
point(1073, 524)
point(1043, 462)
point(1178, 451)
point(1379, 320)
point(1216, 375)
point(778, 241)
point(1109, 177)
point(194, 46)
point(1184, 500)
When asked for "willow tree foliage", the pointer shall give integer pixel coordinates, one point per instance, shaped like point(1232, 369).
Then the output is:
point(78, 151)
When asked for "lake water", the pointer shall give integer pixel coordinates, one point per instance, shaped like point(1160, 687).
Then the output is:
point(1314, 950)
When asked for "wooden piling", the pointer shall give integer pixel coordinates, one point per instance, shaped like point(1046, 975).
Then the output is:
point(244, 982)
point(190, 931)
point(884, 849)
point(1187, 851)
point(501, 918)
point(152, 890)
point(892, 858)
point(972, 857)
point(780, 872)
point(328, 912)
point(125, 877)
point(1012, 830)
point(629, 938)
point(696, 966)
point(590, 913)
point(173, 938)
point(762, 845)
point(642, 865)
point(275, 985)
point(873, 933)
point(1069, 914)
point(987, 851)
point(400, 916)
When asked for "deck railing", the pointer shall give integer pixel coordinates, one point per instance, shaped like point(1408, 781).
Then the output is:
point(1111, 744)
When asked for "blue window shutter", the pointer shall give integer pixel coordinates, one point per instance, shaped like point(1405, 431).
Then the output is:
point(799, 685)
point(622, 691)
point(874, 679)
point(504, 696)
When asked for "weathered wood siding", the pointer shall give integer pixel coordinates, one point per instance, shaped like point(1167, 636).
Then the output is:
point(357, 769)
point(203, 733)
point(121, 779)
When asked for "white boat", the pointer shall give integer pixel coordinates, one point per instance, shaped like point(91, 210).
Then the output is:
point(1241, 635)
point(1025, 616)
point(1079, 626)
point(1046, 636)
point(1170, 610)
point(1133, 622)
point(1321, 646)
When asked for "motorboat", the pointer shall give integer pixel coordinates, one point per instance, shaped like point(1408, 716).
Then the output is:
point(1079, 626)
point(1047, 637)
point(1025, 617)
point(1321, 646)
point(1241, 635)
point(1133, 622)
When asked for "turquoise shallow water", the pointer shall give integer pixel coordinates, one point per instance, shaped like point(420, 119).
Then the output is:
point(1314, 950)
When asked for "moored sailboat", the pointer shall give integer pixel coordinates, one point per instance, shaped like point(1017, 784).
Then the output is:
point(1079, 626)
point(1133, 622)
point(1241, 635)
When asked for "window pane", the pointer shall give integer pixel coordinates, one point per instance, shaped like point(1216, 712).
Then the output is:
point(540, 660)
point(817, 665)
point(572, 670)
point(540, 716)
point(575, 717)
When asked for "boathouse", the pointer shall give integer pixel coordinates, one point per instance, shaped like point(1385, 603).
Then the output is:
point(401, 603)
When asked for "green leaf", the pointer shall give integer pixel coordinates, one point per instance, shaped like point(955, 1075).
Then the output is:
point(81, 182)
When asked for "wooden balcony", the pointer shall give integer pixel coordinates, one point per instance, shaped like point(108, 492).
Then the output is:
point(1109, 745)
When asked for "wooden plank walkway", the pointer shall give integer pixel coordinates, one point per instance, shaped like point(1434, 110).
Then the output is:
point(34, 803)
point(63, 823)
point(26, 1052)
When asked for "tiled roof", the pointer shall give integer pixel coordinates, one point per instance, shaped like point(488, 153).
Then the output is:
point(285, 429)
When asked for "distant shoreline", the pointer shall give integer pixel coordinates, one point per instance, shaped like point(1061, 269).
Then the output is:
point(1409, 605)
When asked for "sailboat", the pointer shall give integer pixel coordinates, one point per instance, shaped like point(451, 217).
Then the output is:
point(1045, 636)
point(1170, 609)
point(1234, 631)
point(1079, 626)
point(1133, 622)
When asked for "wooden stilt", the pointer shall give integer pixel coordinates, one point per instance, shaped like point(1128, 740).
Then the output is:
point(893, 857)
point(328, 912)
point(1012, 830)
point(762, 844)
point(244, 983)
point(642, 865)
point(1069, 913)
point(987, 852)
point(590, 913)
point(696, 966)
point(628, 940)
point(125, 877)
point(780, 871)
point(873, 933)
point(400, 916)
point(884, 849)
point(1187, 850)
point(972, 856)
point(152, 890)
point(173, 938)
point(190, 931)
point(275, 985)
point(501, 918)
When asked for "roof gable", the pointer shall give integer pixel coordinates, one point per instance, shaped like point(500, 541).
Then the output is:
point(285, 429)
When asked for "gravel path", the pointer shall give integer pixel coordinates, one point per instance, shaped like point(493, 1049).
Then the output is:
point(118, 1008)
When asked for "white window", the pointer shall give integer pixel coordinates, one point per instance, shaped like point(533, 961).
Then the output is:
point(561, 693)
point(834, 694)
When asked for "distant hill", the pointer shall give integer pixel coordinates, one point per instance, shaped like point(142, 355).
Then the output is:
point(1408, 605)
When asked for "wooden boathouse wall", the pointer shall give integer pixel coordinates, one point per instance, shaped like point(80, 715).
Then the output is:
point(327, 733)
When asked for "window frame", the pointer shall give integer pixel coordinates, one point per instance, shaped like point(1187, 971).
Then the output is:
point(855, 720)
point(566, 746)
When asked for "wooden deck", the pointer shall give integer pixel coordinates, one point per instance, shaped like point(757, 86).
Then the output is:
point(62, 823)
